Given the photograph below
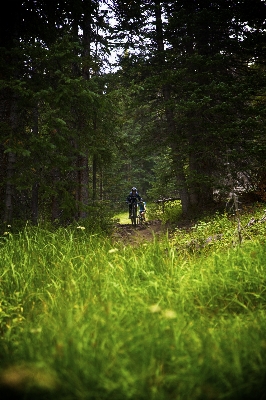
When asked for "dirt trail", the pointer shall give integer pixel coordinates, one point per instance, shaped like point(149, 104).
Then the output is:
point(139, 234)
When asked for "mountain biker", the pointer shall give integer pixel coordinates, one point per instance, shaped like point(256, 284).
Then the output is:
point(133, 195)
point(142, 208)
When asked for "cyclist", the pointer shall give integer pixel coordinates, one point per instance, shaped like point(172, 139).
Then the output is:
point(133, 196)
point(142, 208)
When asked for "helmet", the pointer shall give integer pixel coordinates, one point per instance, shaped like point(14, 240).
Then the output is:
point(134, 189)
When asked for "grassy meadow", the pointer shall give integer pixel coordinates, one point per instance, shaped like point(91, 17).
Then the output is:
point(181, 318)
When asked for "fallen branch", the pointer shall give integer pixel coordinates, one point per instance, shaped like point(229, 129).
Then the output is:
point(164, 200)
point(254, 220)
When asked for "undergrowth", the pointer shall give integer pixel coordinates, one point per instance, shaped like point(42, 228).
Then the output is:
point(84, 317)
point(212, 232)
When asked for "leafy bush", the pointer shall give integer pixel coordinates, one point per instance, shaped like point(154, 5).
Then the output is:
point(167, 212)
point(221, 231)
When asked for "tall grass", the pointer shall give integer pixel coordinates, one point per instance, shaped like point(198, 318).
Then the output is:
point(83, 317)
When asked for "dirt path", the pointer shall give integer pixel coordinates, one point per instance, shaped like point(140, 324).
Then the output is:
point(141, 233)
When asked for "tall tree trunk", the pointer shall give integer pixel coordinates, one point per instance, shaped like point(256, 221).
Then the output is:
point(11, 116)
point(83, 174)
point(55, 211)
point(11, 160)
point(176, 154)
point(35, 185)
point(74, 141)
point(34, 203)
point(200, 167)
point(101, 183)
point(94, 178)
point(2, 179)
point(83, 186)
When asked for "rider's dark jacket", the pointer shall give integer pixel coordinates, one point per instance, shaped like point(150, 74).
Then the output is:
point(131, 196)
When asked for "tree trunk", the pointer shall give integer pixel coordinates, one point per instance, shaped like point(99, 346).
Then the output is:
point(35, 185)
point(83, 170)
point(200, 167)
point(55, 199)
point(2, 179)
point(94, 178)
point(11, 160)
point(34, 203)
point(101, 184)
point(176, 154)
point(83, 186)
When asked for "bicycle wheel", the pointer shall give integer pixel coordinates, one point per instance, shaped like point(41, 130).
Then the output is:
point(134, 214)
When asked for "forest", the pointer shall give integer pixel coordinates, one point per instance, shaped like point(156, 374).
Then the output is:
point(97, 97)
point(100, 96)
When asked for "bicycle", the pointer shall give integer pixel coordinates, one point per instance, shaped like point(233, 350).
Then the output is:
point(141, 217)
point(134, 212)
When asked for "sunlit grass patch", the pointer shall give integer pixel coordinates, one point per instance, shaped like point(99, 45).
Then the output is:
point(220, 232)
point(107, 320)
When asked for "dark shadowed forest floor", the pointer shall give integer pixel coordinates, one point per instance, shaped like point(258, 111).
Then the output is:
point(136, 235)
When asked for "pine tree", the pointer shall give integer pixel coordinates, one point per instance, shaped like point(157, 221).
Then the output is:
point(197, 70)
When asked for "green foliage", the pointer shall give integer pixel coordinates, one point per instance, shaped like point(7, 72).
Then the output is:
point(83, 316)
point(220, 232)
point(199, 93)
point(163, 182)
point(61, 115)
point(211, 232)
point(167, 109)
point(167, 212)
point(99, 218)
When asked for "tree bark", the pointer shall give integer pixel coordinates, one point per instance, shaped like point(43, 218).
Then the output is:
point(94, 178)
point(2, 179)
point(176, 154)
point(83, 197)
point(11, 160)
point(34, 203)
point(55, 199)
point(101, 184)
point(83, 170)
point(35, 185)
